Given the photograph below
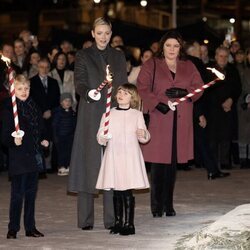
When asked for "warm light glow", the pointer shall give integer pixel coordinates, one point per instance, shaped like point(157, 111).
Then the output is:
point(143, 3)
point(110, 12)
point(97, 1)
point(205, 41)
point(204, 19)
point(232, 20)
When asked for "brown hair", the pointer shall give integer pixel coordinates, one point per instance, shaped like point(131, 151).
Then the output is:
point(132, 90)
point(171, 34)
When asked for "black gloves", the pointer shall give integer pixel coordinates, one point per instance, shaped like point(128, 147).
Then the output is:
point(176, 92)
point(162, 107)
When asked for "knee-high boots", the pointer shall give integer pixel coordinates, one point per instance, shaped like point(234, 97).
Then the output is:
point(129, 211)
point(124, 203)
point(118, 211)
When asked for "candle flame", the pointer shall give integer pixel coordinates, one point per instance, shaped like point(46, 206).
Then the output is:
point(109, 76)
point(6, 60)
point(217, 73)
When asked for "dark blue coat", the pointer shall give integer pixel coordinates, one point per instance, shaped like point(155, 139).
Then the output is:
point(22, 159)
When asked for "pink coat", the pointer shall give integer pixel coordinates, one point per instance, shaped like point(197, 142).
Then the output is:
point(123, 165)
point(159, 149)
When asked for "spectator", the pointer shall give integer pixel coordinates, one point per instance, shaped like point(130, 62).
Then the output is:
point(64, 122)
point(145, 55)
point(46, 93)
point(64, 77)
point(221, 113)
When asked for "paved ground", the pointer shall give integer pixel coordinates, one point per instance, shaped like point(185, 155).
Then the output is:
point(198, 202)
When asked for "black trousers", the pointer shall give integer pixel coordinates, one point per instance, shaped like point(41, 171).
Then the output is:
point(23, 189)
point(63, 149)
point(163, 178)
point(202, 152)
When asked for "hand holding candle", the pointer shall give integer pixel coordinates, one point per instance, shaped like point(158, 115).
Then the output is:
point(95, 94)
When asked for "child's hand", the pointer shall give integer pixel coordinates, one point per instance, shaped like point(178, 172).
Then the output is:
point(45, 143)
point(47, 114)
point(103, 139)
point(141, 133)
point(18, 141)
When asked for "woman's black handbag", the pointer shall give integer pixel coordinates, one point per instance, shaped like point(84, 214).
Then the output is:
point(146, 115)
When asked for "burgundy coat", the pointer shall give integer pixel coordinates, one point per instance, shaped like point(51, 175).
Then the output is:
point(159, 149)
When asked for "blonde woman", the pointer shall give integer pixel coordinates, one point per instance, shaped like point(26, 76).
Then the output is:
point(90, 71)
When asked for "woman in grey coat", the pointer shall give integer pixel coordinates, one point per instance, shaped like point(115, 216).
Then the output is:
point(90, 71)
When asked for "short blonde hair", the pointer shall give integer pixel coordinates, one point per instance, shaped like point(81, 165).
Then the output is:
point(132, 90)
point(101, 21)
point(21, 79)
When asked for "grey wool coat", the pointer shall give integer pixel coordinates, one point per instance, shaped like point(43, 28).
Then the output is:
point(90, 71)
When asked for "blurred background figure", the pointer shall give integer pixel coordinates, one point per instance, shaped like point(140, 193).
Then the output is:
point(31, 63)
point(116, 41)
point(30, 41)
point(87, 44)
point(71, 59)
point(221, 111)
point(154, 46)
point(66, 46)
point(63, 76)
point(243, 109)
point(205, 54)
point(20, 54)
point(46, 93)
point(52, 52)
point(145, 55)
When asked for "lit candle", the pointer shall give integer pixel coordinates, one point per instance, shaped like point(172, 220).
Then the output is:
point(17, 133)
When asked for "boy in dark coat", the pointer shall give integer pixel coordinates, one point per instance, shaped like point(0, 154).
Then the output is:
point(25, 157)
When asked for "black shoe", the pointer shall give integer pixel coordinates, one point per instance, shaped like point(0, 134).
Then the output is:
point(87, 228)
point(11, 234)
point(34, 233)
point(170, 212)
point(211, 176)
point(116, 229)
point(127, 230)
point(157, 214)
point(217, 175)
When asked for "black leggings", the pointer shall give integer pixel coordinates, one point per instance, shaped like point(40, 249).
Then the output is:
point(125, 193)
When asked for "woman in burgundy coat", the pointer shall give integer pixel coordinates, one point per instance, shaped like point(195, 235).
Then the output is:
point(171, 132)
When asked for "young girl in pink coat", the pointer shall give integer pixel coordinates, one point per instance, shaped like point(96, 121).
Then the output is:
point(123, 167)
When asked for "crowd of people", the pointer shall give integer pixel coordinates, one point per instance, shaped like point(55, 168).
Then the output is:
point(64, 124)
